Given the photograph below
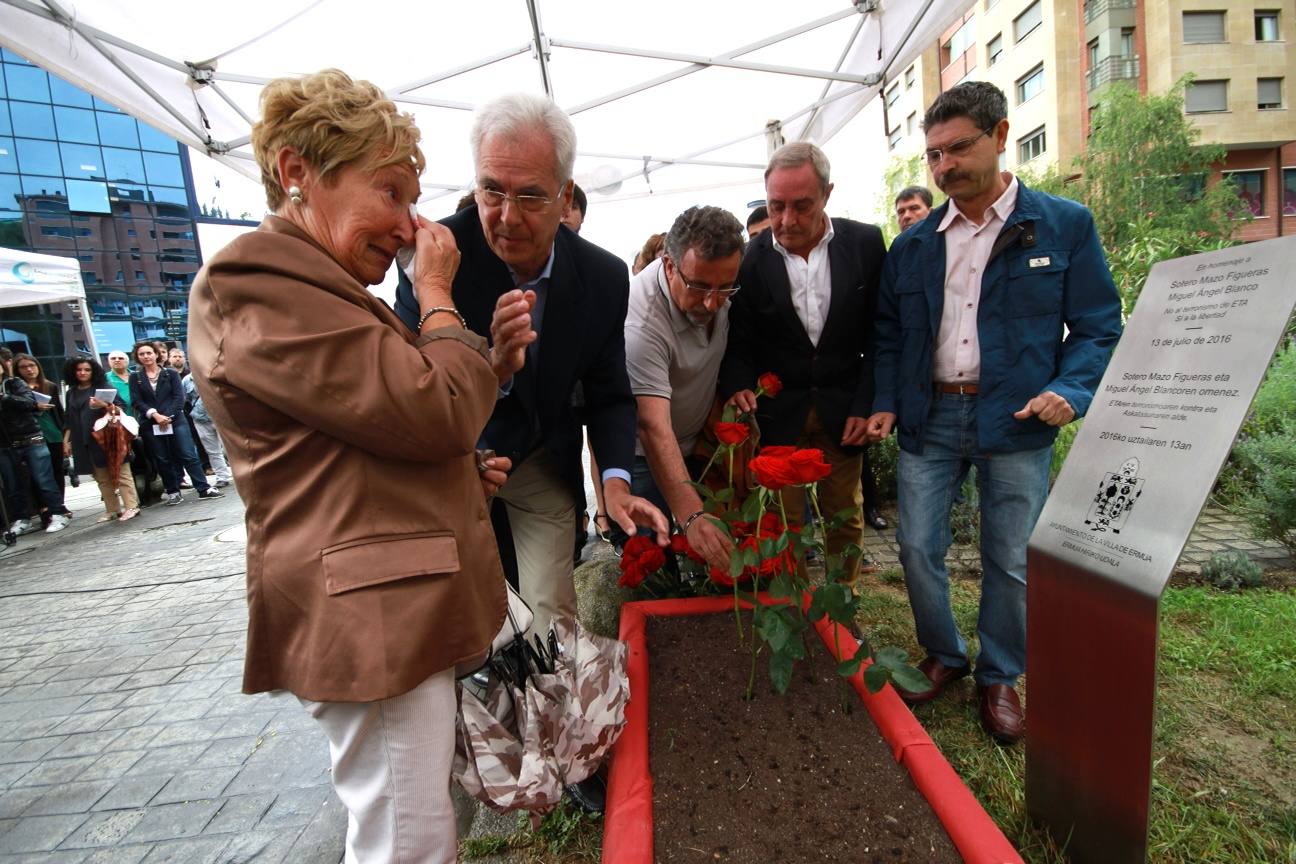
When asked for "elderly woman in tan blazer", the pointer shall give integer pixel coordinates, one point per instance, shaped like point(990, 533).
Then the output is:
point(371, 567)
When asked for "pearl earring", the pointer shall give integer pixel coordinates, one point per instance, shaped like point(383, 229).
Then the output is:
point(295, 195)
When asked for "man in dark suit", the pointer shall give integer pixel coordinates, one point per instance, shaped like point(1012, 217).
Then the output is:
point(572, 295)
point(805, 313)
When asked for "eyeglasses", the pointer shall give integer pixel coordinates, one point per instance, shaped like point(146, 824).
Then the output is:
point(724, 291)
point(493, 198)
point(958, 148)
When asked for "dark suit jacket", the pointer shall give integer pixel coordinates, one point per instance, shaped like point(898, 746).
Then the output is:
point(167, 399)
point(765, 335)
point(582, 339)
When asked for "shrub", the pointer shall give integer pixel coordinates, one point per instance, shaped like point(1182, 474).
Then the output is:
point(1231, 571)
point(884, 457)
point(1062, 447)
point(965, 516)
point(1268, 499)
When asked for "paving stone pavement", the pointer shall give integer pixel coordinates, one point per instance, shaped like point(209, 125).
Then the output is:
point(124, 734)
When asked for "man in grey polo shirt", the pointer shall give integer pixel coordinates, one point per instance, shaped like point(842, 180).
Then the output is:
point(676, 329)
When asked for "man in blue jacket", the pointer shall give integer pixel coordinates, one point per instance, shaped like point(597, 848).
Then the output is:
point(996, 318)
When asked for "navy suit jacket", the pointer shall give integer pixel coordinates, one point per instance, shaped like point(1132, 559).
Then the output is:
point(766, 335)
point(167, 399)
point(582, 340)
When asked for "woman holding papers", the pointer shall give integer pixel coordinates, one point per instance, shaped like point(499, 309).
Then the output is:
point(89, 398)
point(372, 570)
point(50, 416)
point(157, 394)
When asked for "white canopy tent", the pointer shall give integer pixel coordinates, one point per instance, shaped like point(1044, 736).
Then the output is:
point(28, 279)
point(680, 94)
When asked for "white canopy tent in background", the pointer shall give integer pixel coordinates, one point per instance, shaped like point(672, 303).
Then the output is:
point(28, 279)
point(669, 94)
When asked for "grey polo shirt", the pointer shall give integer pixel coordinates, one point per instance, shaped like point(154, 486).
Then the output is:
point(668, 355)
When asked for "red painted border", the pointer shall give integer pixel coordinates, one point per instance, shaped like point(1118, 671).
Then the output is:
point(628, 826)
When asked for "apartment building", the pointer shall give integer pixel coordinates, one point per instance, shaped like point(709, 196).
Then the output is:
point(1054, 59)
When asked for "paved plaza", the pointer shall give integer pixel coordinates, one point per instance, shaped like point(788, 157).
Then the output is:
point(124, 736)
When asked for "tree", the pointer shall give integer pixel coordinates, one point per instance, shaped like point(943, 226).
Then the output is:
point(1144, 177)
point(901, 171)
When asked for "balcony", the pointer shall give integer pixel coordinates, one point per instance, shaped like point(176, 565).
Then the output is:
point(1117, 67)
point(1097, 8)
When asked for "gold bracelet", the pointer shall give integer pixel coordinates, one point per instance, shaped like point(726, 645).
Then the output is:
point(434, 310)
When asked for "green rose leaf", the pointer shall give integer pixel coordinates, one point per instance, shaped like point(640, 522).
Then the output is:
point(892, 657)
point(910, 679)
point(876, 677)
point(849, 667)
point(780, 670)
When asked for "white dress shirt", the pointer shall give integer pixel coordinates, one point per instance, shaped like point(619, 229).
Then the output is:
point(811, 282)
point(967, 251)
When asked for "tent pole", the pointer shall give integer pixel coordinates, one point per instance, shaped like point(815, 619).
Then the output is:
point(401, 89)
point(542, 44)
point(710, 61)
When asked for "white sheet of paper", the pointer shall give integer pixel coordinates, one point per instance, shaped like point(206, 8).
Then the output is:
point(41, 398)
point(159, 430)
point(108, 395)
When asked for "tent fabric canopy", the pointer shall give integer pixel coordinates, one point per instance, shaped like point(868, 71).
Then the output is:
point(29, 279)
point(685, 89)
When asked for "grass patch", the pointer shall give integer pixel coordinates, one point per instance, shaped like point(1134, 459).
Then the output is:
point(565, 836)
point(1224, 781)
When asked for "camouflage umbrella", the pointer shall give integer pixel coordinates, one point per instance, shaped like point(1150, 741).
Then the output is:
point(114, 432)
point(548, 718)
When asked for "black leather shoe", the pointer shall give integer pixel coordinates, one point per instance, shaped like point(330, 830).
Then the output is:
point(874, 519)
point(589, 795)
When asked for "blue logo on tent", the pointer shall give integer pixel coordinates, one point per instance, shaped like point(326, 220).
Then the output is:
point(25, 272)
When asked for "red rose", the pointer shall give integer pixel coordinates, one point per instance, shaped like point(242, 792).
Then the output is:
point(770, 383)
point(731, 434)
point(773, 468)
point(771, 525)
point(782, 562)
point(720, 576)
point(640, 558)
point(680, 546)
point(809, 466)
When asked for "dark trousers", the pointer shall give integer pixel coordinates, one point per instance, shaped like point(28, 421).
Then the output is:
point(173, 454)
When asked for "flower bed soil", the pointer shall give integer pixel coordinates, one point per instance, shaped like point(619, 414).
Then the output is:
point(787, 778)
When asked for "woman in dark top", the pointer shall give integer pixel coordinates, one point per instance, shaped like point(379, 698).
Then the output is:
point(157, 396)
point(83, 409)
point(50, 416)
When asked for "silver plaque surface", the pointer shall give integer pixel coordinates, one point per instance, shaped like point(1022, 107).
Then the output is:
point(1164, 417)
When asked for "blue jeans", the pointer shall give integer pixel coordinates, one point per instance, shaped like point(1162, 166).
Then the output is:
point(39, 464)
point(176, 453)
point(1013, 487)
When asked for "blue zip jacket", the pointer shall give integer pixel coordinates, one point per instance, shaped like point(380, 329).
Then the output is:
point(1048, 273)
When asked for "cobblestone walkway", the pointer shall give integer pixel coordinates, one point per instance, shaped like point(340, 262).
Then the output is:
point(124, 736)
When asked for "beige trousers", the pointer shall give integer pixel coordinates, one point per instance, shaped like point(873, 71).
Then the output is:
point(125, 488)
point(839, 491)
point(391, 768)
point(541, 514)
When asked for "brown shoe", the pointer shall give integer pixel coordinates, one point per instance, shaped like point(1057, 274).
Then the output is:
point(1001, 713)
point(939, 675)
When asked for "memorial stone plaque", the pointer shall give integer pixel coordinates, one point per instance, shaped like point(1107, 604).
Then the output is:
point(1161, 424)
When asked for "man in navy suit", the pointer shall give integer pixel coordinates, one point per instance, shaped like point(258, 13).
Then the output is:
point(572, 295)
point(805, 313)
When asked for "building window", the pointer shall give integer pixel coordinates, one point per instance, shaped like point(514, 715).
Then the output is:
point(1031, 146)
point(892, 94)
point(1127, 41)
point(1269, 93)
point(1289, 191)
point(909, 77)
point(1250, 188)
point(1093, 53)
point(958, 43)
point(1030, 84)
point(139, 276)
point(1025, 23)
point(1201, 27)
point(993, 49)
point(1266, 25)
point(893, 140)
point(1203, 97)
point(911, 123)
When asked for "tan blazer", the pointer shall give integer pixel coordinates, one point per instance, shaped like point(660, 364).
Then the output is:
point(370, 562)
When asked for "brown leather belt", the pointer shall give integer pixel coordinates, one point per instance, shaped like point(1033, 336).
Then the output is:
point(969, 389)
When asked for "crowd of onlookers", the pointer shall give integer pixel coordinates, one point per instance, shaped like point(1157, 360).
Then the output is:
point(134, 430)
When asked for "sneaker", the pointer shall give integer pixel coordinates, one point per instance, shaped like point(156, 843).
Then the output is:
point(171, 498)
point(221, 484)
point(58, 522)
point(24, 526)
point(209, 493)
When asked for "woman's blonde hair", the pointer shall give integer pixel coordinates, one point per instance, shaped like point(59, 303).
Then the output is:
point(332, 121)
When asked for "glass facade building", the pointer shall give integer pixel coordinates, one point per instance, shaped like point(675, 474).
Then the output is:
point(83, 180)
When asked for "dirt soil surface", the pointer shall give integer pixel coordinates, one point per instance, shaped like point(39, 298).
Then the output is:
point(784, 779)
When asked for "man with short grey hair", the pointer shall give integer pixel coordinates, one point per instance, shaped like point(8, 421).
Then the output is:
point(676, 331)
point(805, 314)
point(572, 295)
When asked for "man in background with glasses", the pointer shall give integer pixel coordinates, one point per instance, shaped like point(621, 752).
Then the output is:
point(676, 331)
point(805, 313)
point(995, 321)
point(571, 296)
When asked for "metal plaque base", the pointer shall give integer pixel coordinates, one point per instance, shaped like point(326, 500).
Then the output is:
point(1091, 652)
